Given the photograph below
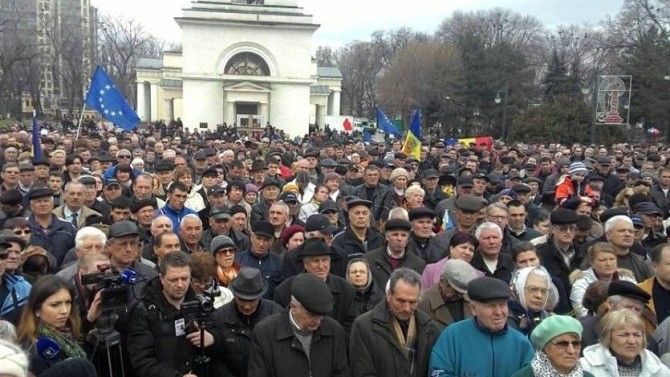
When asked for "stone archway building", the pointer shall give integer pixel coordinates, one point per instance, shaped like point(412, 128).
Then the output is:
point(243, 62)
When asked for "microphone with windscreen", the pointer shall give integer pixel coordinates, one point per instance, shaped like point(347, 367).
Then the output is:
point(48, 350)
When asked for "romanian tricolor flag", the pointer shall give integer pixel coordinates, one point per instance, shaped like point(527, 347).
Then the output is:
point(484, 142)
point(412, 145)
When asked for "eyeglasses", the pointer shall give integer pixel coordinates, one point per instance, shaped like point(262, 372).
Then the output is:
point(123, 156)
point(227, 250)
point(567, 228)
point(564, 344)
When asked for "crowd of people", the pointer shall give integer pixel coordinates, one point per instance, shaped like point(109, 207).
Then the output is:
point(168, 253)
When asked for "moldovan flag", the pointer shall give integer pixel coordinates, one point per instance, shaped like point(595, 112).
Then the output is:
point(485, 142)
point(412, 145)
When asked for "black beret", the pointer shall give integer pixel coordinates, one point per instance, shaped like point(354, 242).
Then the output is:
point(328, 205)
point(532, 179)
point(314, 247)
point(313, 293)
point(486, 288)
point(647, 208)
point(398, 224)
point(356, 201)
point(430, 173)
point(42, 162)
point(320, 223)
point(311, 153)
point(465, 181)
point(39, 193)
point(139, 204)
point(216, 190)
point(478, 175)
point(469, 203)
point(420, 213)
point(627, 289)
point(200, 156)
point(237, 209)
point(263, 228)
point(87, 180)
point(210, 172)
point(328, 163)
point(563, 216)
point(270, 182)
point(11, 197)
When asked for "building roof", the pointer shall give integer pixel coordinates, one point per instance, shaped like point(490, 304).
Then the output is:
point(319, 89)
point(149, 63)
point(332, 72)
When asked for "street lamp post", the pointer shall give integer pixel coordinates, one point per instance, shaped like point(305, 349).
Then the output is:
point(499, 99)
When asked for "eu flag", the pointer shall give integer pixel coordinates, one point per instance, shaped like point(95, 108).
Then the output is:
point(106, 98)
point(37, 146)
point(384, 124)
point(367, 138)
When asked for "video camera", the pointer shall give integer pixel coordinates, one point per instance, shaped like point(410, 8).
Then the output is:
point(200, 308)
point(113, 287)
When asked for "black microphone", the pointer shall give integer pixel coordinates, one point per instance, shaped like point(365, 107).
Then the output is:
point(48, 350)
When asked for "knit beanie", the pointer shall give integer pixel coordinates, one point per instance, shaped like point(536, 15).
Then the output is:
point(398, 172)
point(577, 167)
point(250, 187)
point(554, 326)
point(13, 360)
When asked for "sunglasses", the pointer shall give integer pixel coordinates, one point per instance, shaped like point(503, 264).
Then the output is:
point(564, 344)
point(227, 250)
point(24, 231)
point(124, 156)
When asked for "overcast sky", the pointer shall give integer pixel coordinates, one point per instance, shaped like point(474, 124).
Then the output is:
point(343, 21)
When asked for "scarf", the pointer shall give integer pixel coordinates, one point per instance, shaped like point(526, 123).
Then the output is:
point(406, 343)
point(225, 277)
point(542, 367)
point(70, 347)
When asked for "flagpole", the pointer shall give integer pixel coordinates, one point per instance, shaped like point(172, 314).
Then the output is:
point(81, 117)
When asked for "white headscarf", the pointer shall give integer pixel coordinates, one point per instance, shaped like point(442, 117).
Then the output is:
point(518, 283)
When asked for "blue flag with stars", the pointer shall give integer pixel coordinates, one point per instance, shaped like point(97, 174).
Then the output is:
point(385, 124)
point(106, 98)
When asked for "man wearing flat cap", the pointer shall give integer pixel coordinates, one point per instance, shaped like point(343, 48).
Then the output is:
point(48, 231)
point(621, 295)
point(303, 340)
point(394, 254)
point(483, 345)
point(421, 240)
point(463, 219)
point(236, 320)
point(653, 220)
point(260, 257)
point(315, 255)
point(394, 339)
point(559, 254)
point(11, 205)
point(359, 236)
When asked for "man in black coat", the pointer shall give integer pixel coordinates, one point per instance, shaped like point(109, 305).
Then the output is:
point(304, 340)
point(379, 194)
point(394, 254)
point(559, 255)
point(316, 257)
point(394, 338)
point(359, 236)
point(159, 341)
point(236, 320)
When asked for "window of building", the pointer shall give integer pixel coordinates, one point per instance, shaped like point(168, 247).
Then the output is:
point(247, 64)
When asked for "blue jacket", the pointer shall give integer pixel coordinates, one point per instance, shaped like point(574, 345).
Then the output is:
point(58, 239)
point(175, 216)
point(467, 349)
point(19, 289)
point(270, 266)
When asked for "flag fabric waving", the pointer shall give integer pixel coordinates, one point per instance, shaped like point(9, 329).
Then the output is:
point(412, 145)
point(37, 146)
point(367, 138)
point(385, 124)
point(106, 98)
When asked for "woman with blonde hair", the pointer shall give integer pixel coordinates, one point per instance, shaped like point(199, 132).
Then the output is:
point(157, 186)
point(414, 197)
point(621, 351)
point(603, 261)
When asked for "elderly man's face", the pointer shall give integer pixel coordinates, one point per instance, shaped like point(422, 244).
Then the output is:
point(490, 242)
point(621, 235)
point(491, 315)
point(403, 300)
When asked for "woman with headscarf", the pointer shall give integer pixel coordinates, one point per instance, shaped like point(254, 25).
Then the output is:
point(399, 178)
point(557, 342)
point(530, 294)
point(367, 292)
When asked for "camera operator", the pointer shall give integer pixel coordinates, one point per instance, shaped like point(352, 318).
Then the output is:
point(160, 341)
point(236, 320)
point(87, 297)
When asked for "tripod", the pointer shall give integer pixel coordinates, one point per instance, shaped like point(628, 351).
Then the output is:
point(106, 336)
